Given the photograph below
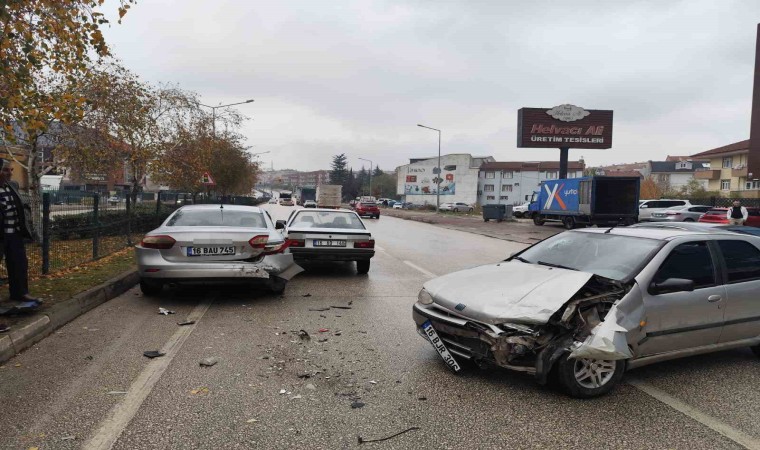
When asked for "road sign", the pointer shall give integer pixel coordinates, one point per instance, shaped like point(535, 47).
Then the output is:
point(207, 180)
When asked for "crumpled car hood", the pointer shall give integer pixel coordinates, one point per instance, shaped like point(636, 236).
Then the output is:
point(507, 292)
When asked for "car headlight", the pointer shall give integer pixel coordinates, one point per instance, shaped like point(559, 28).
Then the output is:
point(424, 297)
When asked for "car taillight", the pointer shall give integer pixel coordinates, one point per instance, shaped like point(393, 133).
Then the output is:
point(161, 242)
point(296, 243)
point(259, 241)
point(365, 244)
point(273, 249)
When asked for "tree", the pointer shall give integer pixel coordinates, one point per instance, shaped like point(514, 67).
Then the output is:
point(338, 172)
point(362, 180)
point(377, 172)
point(384, 185)
point(232, 167)
point(45, 45)
point(351, 187)
point(649, 189)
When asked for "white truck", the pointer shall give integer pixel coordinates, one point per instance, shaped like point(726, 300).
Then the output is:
point(329, 195)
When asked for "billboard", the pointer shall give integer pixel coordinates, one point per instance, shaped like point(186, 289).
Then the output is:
point(422, 181)
point(564, 126)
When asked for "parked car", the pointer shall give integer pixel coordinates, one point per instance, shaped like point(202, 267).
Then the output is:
point(520, 211)
point(200, 244)
point(367, 209)
point(328, 235)
point(720, 215)
point(399, 205)
point(456, 207)
point(680, 214)
point(589, 304)
point(648, 207)
point(309, 204)
point(287, 202)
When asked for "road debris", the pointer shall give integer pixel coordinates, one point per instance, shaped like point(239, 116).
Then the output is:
point(340, 307)
point(311, 387)
point(322, 340)
point(306, 295)
point(296, 397)
point(208, 362)
point(327, 308)
point(338, 333)
point(282, 391)
point(324, 330)
point(372, 382)
point(304, 375)
point(304, 335)
point(68, 438)
point(201, 391)
point(251, 421)
point(88, 357)
point(187, 322)
point(422, 398)
point(362, 440)
point(357, 404)
point(153, 354)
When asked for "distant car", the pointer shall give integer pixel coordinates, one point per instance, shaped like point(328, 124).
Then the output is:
point(367, 209)
point(720, 215)
point(202, 244)
point(272, 201)
point(309, 204)
point(456, 207)
point(113, 199)
point(287, 202)
point(328, 235)
point(680, 214)
point(521, 210)
point(649, 207)
point(398, 205)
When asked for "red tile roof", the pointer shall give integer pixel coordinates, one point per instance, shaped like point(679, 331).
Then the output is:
point(731, 148)
point(531, 165)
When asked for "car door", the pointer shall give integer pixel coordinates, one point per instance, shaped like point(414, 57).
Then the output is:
point(695, 212)
point(681, 320)
point(742, 265)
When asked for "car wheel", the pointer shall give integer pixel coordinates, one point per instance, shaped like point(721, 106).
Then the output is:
point(277, 285)
point(455, 209)
point(569, 222)
point(151, 287)
point(377, 217)
point(470, 210)
point(362, 267)
point(587, 378)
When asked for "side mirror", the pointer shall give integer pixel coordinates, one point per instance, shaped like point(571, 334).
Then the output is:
point(279, 225)
point(643, 207)
point(671, 285)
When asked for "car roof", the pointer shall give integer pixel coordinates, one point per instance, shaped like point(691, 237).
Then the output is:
point(342, 210)
point(218, 206)
point(659, 233)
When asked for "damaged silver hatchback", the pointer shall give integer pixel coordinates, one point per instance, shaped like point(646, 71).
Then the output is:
point(585, 305)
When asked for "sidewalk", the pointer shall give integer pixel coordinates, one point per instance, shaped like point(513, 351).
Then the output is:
point(515, 230)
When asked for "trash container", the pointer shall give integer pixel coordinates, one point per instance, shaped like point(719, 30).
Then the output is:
point(495, 212)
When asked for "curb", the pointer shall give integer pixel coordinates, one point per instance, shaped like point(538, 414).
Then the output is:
point(62, 313)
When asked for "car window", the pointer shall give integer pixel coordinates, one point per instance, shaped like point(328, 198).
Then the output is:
point(327, 219)
point(369, 204)
point(699, 209)
point(742, 260)
point(691, 261)
point(216, 218)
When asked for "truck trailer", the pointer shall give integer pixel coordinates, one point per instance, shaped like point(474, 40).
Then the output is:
point(329, 195)
point(306, 193)
point(587, 201)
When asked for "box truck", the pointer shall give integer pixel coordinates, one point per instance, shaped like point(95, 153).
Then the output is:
point(329, 195)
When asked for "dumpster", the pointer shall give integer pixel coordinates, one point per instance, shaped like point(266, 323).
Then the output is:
point(495, 212)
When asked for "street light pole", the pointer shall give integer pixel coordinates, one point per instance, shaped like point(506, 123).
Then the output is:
point(438, 175)
point(370, 174)
point(213, 114)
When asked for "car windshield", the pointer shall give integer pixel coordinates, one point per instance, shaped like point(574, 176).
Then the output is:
point(217, 217)
point(327, 219)
point(608, 255)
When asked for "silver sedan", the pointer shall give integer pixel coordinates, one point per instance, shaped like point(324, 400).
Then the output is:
point(328, 235)
point(586, 305)
point(201, 244)
point(680, 214)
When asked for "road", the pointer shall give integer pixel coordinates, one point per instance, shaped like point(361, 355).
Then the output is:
point(88, 385)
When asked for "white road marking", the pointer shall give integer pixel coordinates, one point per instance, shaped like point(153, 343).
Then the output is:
point(122, 413)
point(420, 269)
point(714, 424)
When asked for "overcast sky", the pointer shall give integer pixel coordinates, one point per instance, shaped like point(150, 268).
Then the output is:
point(355, 77)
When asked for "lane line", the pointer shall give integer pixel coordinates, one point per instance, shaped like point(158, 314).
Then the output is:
point(122, 413)
point(714, 424)
point(420, 269)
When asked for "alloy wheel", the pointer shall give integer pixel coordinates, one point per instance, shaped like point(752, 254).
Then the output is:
point(593, 373)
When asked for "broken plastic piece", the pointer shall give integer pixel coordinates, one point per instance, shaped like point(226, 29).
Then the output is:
point(304, 335)
point(362, 440)
point(323, 330)
point(187, 322)
point(165, 311)
point(319, 309)
point(340, 307)
point(208, 362)
point(306, 295)
point(282, 391)
point(357, 404)
point(153, 354)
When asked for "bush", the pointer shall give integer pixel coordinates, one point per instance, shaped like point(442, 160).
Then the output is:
point(110, 223)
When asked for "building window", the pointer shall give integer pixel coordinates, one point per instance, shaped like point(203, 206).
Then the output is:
point(504, 197)
point(488, 188)
point(506, 188)
point(507, 174)
point(450, 168)
point(490, 174)
point(727, 162)
point(490, 197)
point(725, 185)
point(552, 175)
point(752, 185)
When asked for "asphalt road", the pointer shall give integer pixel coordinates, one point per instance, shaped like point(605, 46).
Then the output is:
point(88, 385)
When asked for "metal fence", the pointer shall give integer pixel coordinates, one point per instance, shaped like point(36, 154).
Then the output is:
point(725, 202)
point(78, 227)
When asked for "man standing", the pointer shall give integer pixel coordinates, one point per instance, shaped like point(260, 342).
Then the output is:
point(15, 218)
point(737, 214)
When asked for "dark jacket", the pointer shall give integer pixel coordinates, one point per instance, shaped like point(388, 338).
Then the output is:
point(24, 213)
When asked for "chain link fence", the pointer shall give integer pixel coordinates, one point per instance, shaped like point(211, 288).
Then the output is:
point(74, 228)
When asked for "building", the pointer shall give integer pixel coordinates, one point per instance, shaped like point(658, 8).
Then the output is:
point(512, 183)
point(290, 177)
point(728, 172)
point(459, 179)
point(674, 175)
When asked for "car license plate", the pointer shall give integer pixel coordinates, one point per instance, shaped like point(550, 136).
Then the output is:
point(210, 251)
point(437, 343)
point(329, 243)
